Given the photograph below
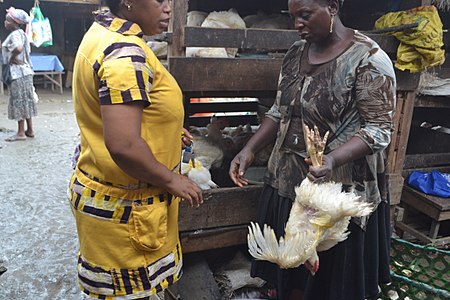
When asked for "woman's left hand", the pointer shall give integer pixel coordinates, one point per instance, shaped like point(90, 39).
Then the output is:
point(322, 173)
point(186, 138)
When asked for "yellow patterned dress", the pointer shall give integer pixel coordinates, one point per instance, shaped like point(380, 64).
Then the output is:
point(128, 230)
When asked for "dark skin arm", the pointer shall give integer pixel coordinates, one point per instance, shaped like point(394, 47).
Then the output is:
point(122, 132)
point(352, 150)
point(266, 134)
point(14, 59)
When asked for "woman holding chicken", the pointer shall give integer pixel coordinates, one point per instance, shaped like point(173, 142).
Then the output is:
point(126, 187)
point(341, 81)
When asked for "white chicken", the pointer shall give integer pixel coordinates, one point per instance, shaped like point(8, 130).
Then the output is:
point(196, 172)
point(318, 219)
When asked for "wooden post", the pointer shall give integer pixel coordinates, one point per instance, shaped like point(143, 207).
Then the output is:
point(397, 149)
point(176, 27)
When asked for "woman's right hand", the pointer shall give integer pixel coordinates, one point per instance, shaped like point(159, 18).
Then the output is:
point(239, 165)
point(186, 189)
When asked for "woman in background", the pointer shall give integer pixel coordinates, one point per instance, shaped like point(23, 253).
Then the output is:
point(16, 54)
point(126, 188)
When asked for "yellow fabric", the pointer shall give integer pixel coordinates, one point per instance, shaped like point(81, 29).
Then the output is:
point(164, 114)
point(127, 230)
point(150, 233)
point(420, 47)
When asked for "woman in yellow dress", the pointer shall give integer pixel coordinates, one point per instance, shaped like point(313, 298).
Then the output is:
point(126, 187)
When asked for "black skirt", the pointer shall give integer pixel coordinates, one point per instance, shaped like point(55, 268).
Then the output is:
point(351, 270)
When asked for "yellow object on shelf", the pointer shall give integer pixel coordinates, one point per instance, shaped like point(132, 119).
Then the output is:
point(420, 47)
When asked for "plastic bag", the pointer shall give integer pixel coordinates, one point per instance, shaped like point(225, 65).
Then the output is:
point(40, 29)
point(432, 183)
point(420, 47)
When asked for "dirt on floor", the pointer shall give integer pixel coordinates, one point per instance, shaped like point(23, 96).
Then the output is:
point(38, 242)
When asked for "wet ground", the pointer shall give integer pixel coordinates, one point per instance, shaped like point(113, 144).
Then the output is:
point(38, 242)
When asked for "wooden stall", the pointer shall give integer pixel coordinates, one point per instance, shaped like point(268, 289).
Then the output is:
point(236, 77)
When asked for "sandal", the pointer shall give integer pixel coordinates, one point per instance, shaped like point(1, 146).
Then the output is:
point(15, 138)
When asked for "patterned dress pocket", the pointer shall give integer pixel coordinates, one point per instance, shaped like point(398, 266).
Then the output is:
point(148, 226)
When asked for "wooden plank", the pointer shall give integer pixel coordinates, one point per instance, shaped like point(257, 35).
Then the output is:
point(268, 39)
point(403, 131)
point(439, 242)
point(225, 74)
point(407, 81)
point(176, 28)
point(92, 2)
point(214, 238)
point(395, 185)
point(222, 207)
point(432, 101)
point(417, 234)
point(429, 160)
point(392, 149)
point(435, 207)
point(402, 122)
point(240, 38)
point(203, 75)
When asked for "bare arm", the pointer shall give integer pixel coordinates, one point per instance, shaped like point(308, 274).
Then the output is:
point(16, 51)
point(266, 134)
point(122, 132)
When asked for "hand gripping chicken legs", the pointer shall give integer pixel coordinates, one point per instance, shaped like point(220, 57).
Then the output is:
point(318, 219)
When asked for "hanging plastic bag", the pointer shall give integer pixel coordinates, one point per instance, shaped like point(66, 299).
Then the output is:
point(432, 183)
point(421, 47)
point(40, 28)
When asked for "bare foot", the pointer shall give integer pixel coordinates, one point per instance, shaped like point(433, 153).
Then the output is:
point(16, 137)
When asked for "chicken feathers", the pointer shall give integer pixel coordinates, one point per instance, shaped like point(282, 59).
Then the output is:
point(318, 221)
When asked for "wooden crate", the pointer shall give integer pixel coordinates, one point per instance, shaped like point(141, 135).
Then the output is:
point(221, 221)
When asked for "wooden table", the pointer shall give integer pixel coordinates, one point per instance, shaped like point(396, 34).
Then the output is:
point(435, 208)
point(50, 68)
point(54, 78)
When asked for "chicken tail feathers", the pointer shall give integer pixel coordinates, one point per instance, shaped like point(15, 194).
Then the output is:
point(263, 245)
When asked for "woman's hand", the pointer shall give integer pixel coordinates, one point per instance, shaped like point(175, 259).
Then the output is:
point(16, 61)
point(322, 173)
point(186, 189)
point(186, 138)
point(239, 165)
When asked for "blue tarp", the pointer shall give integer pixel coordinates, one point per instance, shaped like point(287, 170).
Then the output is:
point(46, 62)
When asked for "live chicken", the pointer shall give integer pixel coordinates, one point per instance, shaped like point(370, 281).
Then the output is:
point(318, 219)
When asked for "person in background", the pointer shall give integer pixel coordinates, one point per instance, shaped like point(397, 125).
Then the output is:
point(343, 82)
point(126, 187)
point(16, 53)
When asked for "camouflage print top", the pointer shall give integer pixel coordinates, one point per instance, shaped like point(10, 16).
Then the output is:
point(352, 95)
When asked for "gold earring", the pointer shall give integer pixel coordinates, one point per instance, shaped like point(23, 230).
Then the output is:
point(331, 23)
point(129, 7)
